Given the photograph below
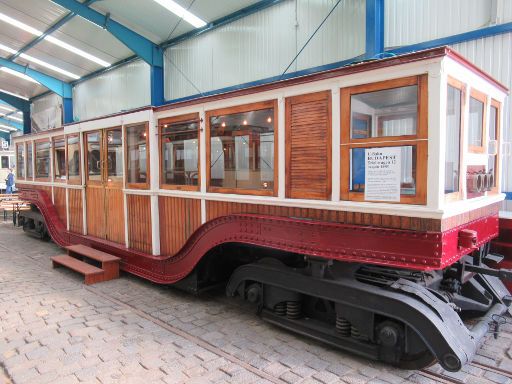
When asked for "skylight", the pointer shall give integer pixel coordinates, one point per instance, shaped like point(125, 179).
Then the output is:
point(41, 63)
point(181, 12)
point(18, 74)
point(53, 40)
point(13, 94)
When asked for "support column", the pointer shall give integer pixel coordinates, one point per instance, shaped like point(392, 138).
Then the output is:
point(67, 110)
point(374, 28)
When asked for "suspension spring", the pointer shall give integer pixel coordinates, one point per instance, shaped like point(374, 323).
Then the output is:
point(280, 308)
point(293, 310)
point(354, 332)
point(342, 326)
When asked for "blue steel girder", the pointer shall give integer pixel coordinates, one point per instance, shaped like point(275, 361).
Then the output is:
point(58, 86)
point(374, 28)
point(48, 32)
point(146, 49)
point(15, 102)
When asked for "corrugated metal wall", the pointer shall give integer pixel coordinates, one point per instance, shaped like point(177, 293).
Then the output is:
point(263, 44)
point(46, 112)
point(123, 88)
point(414, 21)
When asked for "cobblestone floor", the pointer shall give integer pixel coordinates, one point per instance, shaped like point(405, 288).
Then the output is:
point(54, 329)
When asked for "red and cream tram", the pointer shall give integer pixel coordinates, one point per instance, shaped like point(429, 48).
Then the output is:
point(355, 205)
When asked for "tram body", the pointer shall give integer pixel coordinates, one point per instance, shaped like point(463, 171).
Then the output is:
point(354, 205)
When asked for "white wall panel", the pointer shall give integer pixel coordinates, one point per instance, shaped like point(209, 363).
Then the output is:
point(493, 55)
point(263, 44)
point(46, 112)
point(123, 88)
point(413, 21)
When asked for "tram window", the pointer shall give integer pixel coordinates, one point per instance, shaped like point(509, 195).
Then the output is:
point(93, 140)
point(387, 112)
point(407, 170)
point(73, 143)
point(42, 159)
point(136, 152)
point(180, 152)
point(115, 155)
point(242, 150)
point(5, 162)
point(452, 134)
point(476, 122)
point(59, 159)
point(20, 162)
point(30, 160)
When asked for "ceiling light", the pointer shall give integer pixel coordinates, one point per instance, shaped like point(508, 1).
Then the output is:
point(10, 117)
point(41, 63)
point(4, 130)
point(181, 12)
point(13, 94)
point(8, 127)
point(18, 74)
point(7, 108)
point(53, 40)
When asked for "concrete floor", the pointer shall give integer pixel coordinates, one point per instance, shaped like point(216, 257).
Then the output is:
point(54, 329)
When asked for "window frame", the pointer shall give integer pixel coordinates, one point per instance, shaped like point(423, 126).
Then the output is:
point(69, 181)
point(234, 110)
point(86, 158)
point(31, 144)
point(346, 113)
point(419, 140)
point(50, 171)
point(18, 145)
point(496, 189)
point(187, 118)
point(461, 86)
point(482, 97)
point(54, 139)
point(146, 184)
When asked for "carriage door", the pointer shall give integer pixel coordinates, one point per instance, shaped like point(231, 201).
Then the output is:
point(104, 179)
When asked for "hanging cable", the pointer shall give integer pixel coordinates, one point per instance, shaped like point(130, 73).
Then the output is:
point(314, 33)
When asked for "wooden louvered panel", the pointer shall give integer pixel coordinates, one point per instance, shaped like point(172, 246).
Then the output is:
point(59, 200)
point(308, 146)
point(76, 212)
point(179, 218)
point(139, 223)
point(114, 208)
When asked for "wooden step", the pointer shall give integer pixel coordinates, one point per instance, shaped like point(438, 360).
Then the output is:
point(92, 253)
point(92, 274)
point(109, 263)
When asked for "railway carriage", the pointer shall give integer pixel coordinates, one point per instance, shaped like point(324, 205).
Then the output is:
point(355, 206)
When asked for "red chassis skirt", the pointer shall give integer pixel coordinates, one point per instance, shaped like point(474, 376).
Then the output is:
point(351, 243)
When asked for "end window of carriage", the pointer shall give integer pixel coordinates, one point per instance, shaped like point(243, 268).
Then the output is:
point(59, 159)
point(137, 166)
point(30, 159)
point(42, 159)
point(384, 141)
point(241, 143)
point(476, 121)
point(179, 152)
